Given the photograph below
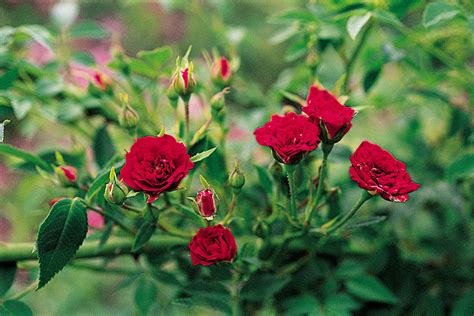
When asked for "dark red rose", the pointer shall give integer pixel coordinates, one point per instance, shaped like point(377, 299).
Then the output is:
point(290, 137)
point(323, 107)
point(376, 170)
point(212, 244)
point(206, 202)
point(155, 165)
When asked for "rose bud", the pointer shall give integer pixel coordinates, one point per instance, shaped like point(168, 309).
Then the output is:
point(67, 175)
point(207, 204)
point(155, 165)
point(333, 118)
point(183, 80)
point(211, 245)
point(236, 179)
point(290, 137)
point(221, 72)
point(128, 117)
point(378, 172)
point(116, 192)
point(101, 80)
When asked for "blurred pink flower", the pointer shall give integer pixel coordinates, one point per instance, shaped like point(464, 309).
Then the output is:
point(39, 54)
point(95, 220)
point(5, 229)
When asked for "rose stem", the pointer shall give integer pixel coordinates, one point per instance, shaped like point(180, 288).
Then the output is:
point(353, 58)
point(340, 223)
point(186, 122)
point(322, 174)
point(116, 246)
point(228, 217)
point(290, 171)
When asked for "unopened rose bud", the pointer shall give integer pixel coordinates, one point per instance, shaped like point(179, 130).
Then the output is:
point(221, 72)
point(218, 102)
point(128, 117)
point(236, 179)
point(116, 192)
point(207, 204)
point(67, 175)
point(101, 80)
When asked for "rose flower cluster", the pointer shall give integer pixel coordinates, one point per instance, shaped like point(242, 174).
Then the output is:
point(155, 165)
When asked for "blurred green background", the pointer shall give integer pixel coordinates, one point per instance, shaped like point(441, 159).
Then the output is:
point(412, 83)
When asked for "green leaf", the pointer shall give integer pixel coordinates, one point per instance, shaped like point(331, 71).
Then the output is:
point(103, 146)
point(371, 77)
point(264, 179)
point(144, 234)
point(88, 29)
point(101, 180)
point(38, 33)
point(302, 305)
point(464, 305)
point(145, 295)
point(25, 156)
point(356, 23)
point(15, 308)
point(203, 155)
point(208, 289)
point(331, 67)
point(369, 288)
point(367, 222)
point(295, 51)
point(341, 303)
point(293, 16)
point(142, 68)
point(157, 57)
point(83, 58)
point(8, 78)
point(105, 235)
point(461, 168)
point(21, 107)
point(59, 237)
point(437, 12)
point(7, 276)
point(263, 286)
point(293, 97)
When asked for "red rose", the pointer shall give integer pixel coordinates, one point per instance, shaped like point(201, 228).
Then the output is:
point(206, 202)
point(67, 175)
point(212, 244)
point(375, 169)
point(323, 107)
point(290, 137)
point(155, 165)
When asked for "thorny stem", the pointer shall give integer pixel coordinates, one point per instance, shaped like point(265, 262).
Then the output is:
point(228, 217)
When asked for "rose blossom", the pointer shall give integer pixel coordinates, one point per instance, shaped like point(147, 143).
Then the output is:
point(207, 204)
point(323, 107)
point(290, 136)
point(376, 170)
point(155, 165)
point(212, 244)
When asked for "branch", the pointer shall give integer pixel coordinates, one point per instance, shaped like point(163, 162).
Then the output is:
point(90, 249)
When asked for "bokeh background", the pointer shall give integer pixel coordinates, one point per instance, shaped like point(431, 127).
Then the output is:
point(413, 86)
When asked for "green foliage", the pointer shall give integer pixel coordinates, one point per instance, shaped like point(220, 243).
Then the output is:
point(7, 276)
point(59, 237)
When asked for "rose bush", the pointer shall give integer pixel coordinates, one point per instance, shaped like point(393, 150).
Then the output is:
point(224, 180)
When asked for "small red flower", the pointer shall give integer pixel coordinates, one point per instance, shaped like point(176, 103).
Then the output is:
point(290, 137)
point(68, 172)
point(376, 170)
point(207, 204)
point(221, 71)
point(211, 245)
point(323, 107)
point(155, 165)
